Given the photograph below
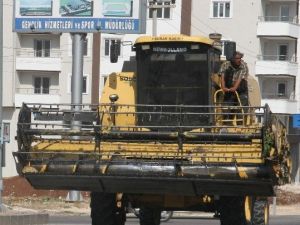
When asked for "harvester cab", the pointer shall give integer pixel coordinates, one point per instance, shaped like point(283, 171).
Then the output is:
point(158, 140)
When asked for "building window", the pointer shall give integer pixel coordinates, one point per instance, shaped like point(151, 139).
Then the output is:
point(284, 13)
point(103, 79)
point(163, 13)
point(281, 89)
point(107, 46)
point(283, 52)
point(84, 84)
point(42, 48)
point(221, 9)
point(85, 47)
point(41, 85)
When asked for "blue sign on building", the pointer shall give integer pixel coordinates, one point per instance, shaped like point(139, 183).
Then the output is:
point(88, 16)
point(87, 25)
point(296, 121)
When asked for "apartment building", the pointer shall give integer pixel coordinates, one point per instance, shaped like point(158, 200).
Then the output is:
point(38, 66)
point(267, 32)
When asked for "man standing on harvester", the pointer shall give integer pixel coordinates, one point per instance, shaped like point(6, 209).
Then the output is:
point(234, 74)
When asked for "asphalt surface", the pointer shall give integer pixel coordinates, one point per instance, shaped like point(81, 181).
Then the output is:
point(85, 220)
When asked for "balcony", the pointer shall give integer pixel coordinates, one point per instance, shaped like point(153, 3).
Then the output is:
point(276, 64)
point(28, 59)
point(28, 95)
point(276, 27)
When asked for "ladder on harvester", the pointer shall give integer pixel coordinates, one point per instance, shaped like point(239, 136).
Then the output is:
point(227, 114)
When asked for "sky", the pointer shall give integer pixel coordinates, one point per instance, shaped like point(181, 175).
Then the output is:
point(35, 3)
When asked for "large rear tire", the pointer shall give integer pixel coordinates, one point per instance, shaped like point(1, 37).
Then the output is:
point(149, 216)
point(232, 211)
point(260, 212)
point(104, 210)
point(244, 211)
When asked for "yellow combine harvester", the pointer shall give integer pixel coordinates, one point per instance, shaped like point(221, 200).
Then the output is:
point(159, 140)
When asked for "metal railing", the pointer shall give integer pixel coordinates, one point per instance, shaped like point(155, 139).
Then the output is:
point(172, 133)
point(277, 58)
point(31, 91)
point(182, 124)
point(284, 19)
point(45, 53)
point(272, 95)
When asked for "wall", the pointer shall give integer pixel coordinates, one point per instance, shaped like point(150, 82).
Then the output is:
point(245, 14)
point(8, 55)
point(10, 115)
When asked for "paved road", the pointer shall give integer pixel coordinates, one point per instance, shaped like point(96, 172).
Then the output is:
point(85, 220)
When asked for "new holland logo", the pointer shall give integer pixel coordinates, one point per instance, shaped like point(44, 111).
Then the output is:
point(124, 78)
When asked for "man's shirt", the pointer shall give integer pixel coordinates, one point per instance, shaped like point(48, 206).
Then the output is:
point(240, 72)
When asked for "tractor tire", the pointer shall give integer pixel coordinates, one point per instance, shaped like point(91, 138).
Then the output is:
point(149, 216)
point(260, 212)
point(104, 210)
point(232, 211)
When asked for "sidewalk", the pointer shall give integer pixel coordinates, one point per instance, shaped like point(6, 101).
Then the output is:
point(13, 218)
point(280, 211)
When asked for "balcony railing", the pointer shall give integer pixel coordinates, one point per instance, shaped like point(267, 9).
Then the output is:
point(37, 91)
point(284, 19)
point(281, 96)
point(277, 58)
point(53, 53)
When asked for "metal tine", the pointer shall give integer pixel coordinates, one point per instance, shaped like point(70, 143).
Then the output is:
point(165, 111)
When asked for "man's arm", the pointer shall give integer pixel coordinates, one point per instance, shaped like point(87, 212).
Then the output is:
point(222, 70)
point(243, 74)
point(223, 86)
point(236, 85)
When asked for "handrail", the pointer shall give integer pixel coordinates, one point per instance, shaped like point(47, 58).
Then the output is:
point(221, 117)
point(277, 58)
point(284, 19)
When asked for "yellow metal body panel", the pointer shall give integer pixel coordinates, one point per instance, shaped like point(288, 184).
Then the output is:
point(254, 92)
point(247, 153)
point(176, 37)
point(123, 85)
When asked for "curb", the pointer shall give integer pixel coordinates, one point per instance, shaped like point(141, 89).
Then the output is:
point(184, 214)
point(24, 219)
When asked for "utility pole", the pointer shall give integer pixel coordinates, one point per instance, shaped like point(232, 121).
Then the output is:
point(154, 5)
point(1, 94)
point(76, 92)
